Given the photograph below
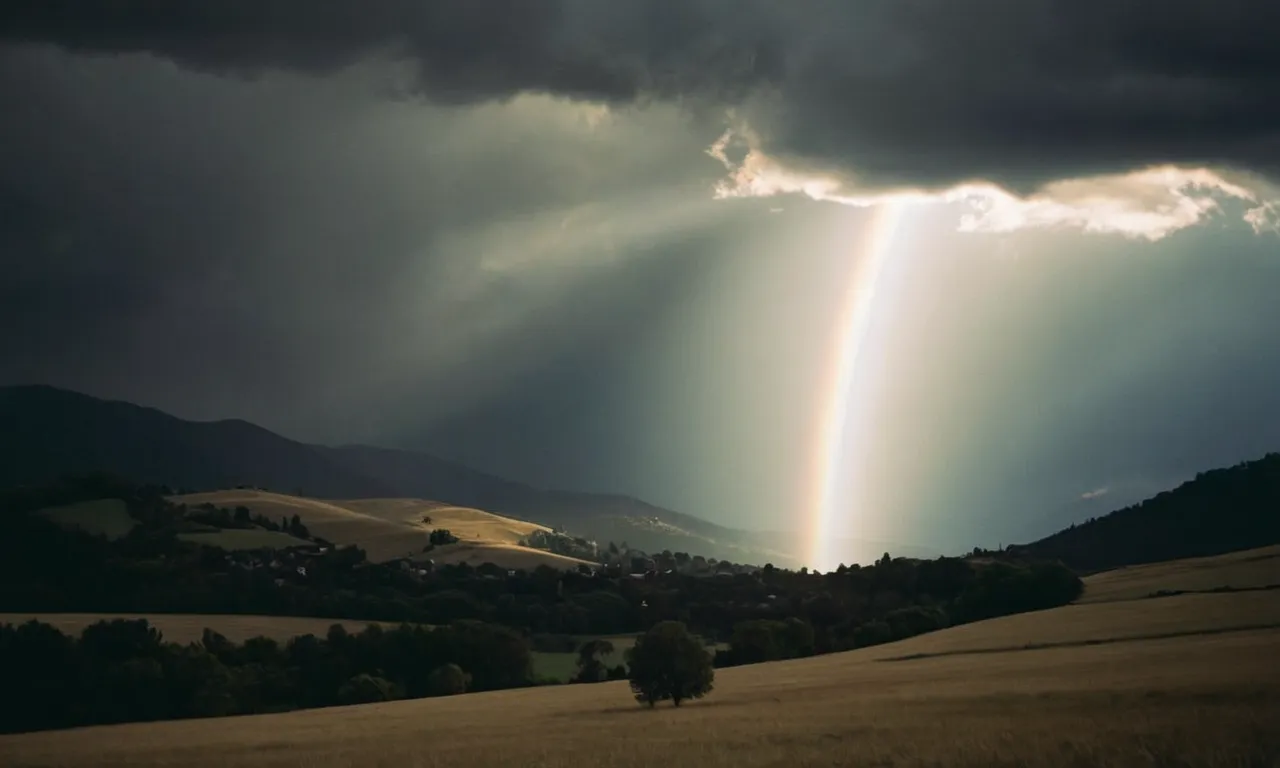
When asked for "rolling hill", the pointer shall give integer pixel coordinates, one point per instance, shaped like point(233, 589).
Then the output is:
point(1245, 570)
point(1222, 510)
point(51, 432)
point(392, 528)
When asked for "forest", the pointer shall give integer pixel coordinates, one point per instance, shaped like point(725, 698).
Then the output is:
point(1221, 510)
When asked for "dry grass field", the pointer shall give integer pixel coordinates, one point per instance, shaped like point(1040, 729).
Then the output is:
point(390, 528)
point(188, 628)
point(1250, 569)
point(1100, 622)
point(105, 517)
point(465, 523)
point(1208, 701)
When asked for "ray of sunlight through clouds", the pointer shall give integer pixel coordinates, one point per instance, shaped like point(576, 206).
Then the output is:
point(933, 266)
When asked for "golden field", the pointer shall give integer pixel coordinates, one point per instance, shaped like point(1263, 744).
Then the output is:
point(1249, 569)
point(391, 528)
point(1193, 701)
point(188, 628)
point(1173, 681)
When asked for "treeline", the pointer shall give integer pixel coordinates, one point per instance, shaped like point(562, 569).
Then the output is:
point(944, 593)
point(489, 617)
point(243, 518)
point(1223, 510)
point(44, 568)
point(123, 671)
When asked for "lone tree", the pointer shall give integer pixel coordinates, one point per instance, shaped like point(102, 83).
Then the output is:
point(669, 663)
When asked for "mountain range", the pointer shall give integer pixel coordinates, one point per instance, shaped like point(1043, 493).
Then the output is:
point(49, 432)
point(46, 433)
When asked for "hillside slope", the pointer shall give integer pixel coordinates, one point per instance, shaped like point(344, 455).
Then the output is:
point(393, 528)
point(51, 432)
point(601, 517)
point(1249, 569)
point(1223, 510)
point(1203, 699)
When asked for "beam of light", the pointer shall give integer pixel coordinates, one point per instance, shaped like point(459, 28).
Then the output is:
point(837, 393)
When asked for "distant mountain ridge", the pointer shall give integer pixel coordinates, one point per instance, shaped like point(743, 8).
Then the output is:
point(1222, 510)
point(46, 432)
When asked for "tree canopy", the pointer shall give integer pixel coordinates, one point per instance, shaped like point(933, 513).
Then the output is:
point(669, 663)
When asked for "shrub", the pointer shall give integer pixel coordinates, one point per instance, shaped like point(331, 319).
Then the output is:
point(591, 667)
point(366, 689)
point(448, 680)
point(442, 536)
point(872, 633)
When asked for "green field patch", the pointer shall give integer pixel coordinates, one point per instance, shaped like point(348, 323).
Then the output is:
point(554, 666)
point(244, 538)
point(562, 666)
point(104, 517)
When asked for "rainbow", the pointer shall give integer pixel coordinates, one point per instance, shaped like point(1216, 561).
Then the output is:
point(837, 391)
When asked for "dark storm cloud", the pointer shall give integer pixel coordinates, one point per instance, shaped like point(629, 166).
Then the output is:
point(305, 252)
point(464, 50)
point(920, 91)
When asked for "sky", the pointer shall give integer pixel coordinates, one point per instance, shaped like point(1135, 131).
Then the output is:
point(607, 246)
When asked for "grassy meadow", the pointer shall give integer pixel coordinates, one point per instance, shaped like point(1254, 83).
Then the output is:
point(105, 517)
point(563, 666)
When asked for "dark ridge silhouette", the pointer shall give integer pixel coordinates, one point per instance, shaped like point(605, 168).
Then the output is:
point(1222, 510)
point(48, 433)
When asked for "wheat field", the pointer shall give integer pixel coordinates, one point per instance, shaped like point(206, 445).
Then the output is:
point(1249, 569)
point(392, 528)
point(1208, 701)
